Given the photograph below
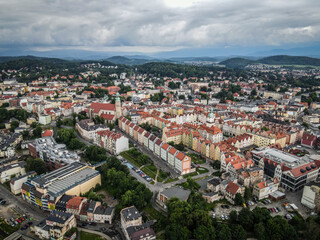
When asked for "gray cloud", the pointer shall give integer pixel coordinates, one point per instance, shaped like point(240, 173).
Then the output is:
point(98, 24)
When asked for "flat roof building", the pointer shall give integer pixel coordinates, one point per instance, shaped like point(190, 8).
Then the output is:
point(74, 179)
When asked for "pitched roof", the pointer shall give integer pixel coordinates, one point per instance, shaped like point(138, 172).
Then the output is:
point(107, 116)
point(102, 106)
point(232, 188)
point(172, 150)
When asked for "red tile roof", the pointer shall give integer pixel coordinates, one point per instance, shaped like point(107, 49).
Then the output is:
point(103, 106)
point(232, 188)
point(172, 151)
point(47, 133)
point(107, 116)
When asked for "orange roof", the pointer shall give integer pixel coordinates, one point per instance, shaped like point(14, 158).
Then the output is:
point(172, 150)
point(180, 156)
point(232, 188)
point(47, 133)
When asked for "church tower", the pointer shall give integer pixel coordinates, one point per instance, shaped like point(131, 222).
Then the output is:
point(210, 118)
point(118, 106)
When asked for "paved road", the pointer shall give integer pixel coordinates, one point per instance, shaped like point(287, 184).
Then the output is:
point(159, 163)
point(22, 205)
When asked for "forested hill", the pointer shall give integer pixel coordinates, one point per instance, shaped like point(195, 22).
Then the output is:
point(290, 60)
point(273, 60)
point(237, 62)
point(162, 69)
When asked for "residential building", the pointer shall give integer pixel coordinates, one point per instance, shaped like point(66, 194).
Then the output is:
point(103, 214)
point(53, 154)
point(16, 182)
point(88, 129)
point(175, 191)
point(55, 226)
point(44, 119)
point(311, 196)
point(265, 188)
point(112, 141)
point(12, 170)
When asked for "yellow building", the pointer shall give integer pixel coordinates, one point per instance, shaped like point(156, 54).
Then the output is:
point(73, 179)
point(263, 141)
point(176, 111)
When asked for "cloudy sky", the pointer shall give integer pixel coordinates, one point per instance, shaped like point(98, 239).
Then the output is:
point(156, 25)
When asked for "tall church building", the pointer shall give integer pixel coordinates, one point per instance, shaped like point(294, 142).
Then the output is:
point(110, 112)
point(118, 106)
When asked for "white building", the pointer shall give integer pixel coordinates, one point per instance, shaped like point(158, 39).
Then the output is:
point(44, 119)
point(16, 183)
point(14, 169)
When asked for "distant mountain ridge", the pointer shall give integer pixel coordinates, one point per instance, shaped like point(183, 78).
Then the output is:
point(272, 60)
point(236, 62)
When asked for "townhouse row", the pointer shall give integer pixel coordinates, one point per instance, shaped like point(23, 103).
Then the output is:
point(179, 161)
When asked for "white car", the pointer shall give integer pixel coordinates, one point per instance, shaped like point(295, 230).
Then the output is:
point(213, 215)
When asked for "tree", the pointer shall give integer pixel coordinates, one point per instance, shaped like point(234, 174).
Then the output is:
point(59, 122)
point(306, 125)
point(233, 217)
point(259, 231)
point(182, 97)
point(204, 233)
point(216, 164)
point(76, 144)
point(238, 199)
point(224, 232)
point(254, 92)
point(37, 132)
point(238, 233)
point(14, 125)
point(25, 134)
point(247, 194)
point(260, 214)
point(245, 218)
point(176, 231)
point(191, 184)
point(34, 125)
point(37, 165)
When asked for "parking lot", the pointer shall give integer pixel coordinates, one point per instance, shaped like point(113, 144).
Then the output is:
point(222, 211)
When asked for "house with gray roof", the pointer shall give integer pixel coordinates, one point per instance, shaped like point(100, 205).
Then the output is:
point(175, 191)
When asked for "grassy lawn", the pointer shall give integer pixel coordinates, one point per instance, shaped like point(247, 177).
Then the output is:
point(89, 236)
point(130, 158)
point(171, 180)
point(150, 173)
point(201, 170)
point(197, 158)
point(191, 174)
point(7, 228)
